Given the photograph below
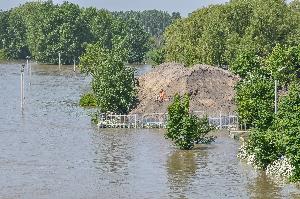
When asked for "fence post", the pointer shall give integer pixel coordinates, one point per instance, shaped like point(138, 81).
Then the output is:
point(74, 67)
point(238, 124)
point(59, 63)
point(220, 120)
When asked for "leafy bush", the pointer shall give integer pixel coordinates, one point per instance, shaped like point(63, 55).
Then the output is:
point(282, 138)
point(264, 146)
point(186, 129)
point(156, 56)
point(3, 55)
point(88, 100)
point(287, 123)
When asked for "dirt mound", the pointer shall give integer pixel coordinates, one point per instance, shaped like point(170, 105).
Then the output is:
point(211, 89)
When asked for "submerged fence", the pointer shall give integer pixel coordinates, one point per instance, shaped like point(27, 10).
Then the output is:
point(159, 120)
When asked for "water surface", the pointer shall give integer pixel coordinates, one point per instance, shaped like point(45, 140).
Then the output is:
point(53, 151)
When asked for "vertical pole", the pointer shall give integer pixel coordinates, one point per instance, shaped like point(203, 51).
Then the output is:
point(29, 73)
point(74, 67)
point(22, 87)
point(135, 121)
point(27, 64)
point(59, 61)
point(220, 120)
point(276, 84)
point(237, 123)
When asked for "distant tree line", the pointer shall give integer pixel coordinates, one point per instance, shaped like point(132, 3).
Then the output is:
point(43, 29)
point(219, 34)
point(153, 21)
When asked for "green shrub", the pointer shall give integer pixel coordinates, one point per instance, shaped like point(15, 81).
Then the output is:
point(287, 123)
point(156, 56)
point(264, 146)
point(3, 55)
point(186, 129)
point(282, 138)
point(88, 100)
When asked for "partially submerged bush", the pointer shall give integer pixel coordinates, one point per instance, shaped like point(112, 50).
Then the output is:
point(185, 129)
point(277, 148)
point(88, 100)
point(264, 146)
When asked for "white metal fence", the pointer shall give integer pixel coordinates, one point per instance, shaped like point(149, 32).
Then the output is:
point(159, 120)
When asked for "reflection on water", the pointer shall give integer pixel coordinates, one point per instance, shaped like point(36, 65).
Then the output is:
point(181, 167)
point(53, 151)
point(263, 185)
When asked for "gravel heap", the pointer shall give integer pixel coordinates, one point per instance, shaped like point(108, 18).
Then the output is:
point(211, 89)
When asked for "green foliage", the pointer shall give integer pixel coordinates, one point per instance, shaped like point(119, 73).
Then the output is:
point(113, 83)
point(283, 63)
point(186, 129)
point(153, 21)
point(255, 101)
point(156, 56)
point(42, 30)
point(3, 55)
point(15, 39)
point(219, 34)
point(88, 100)
point(287, 124)
point(245, 64)
point(264, 146)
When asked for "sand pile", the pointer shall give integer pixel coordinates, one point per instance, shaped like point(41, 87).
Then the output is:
point(211, 89)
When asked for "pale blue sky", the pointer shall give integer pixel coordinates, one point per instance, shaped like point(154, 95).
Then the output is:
point(182, 6)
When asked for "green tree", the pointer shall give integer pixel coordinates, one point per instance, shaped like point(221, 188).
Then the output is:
point(287, 125)
point(186, 129)
point(246, 63)
point(283, 63)
point(255, 101)
point(113, 83)
point(217, 34)
point(15, 42)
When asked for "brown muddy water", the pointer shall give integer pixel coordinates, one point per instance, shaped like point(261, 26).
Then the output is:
point(52, 151)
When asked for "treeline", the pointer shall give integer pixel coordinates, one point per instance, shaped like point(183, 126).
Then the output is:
point(43, 29)
point(218, 34)
point(153, 21)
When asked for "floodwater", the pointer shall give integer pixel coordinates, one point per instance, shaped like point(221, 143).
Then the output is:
point(52, 151)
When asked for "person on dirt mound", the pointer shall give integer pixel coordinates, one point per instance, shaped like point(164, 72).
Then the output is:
point(162, 96)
